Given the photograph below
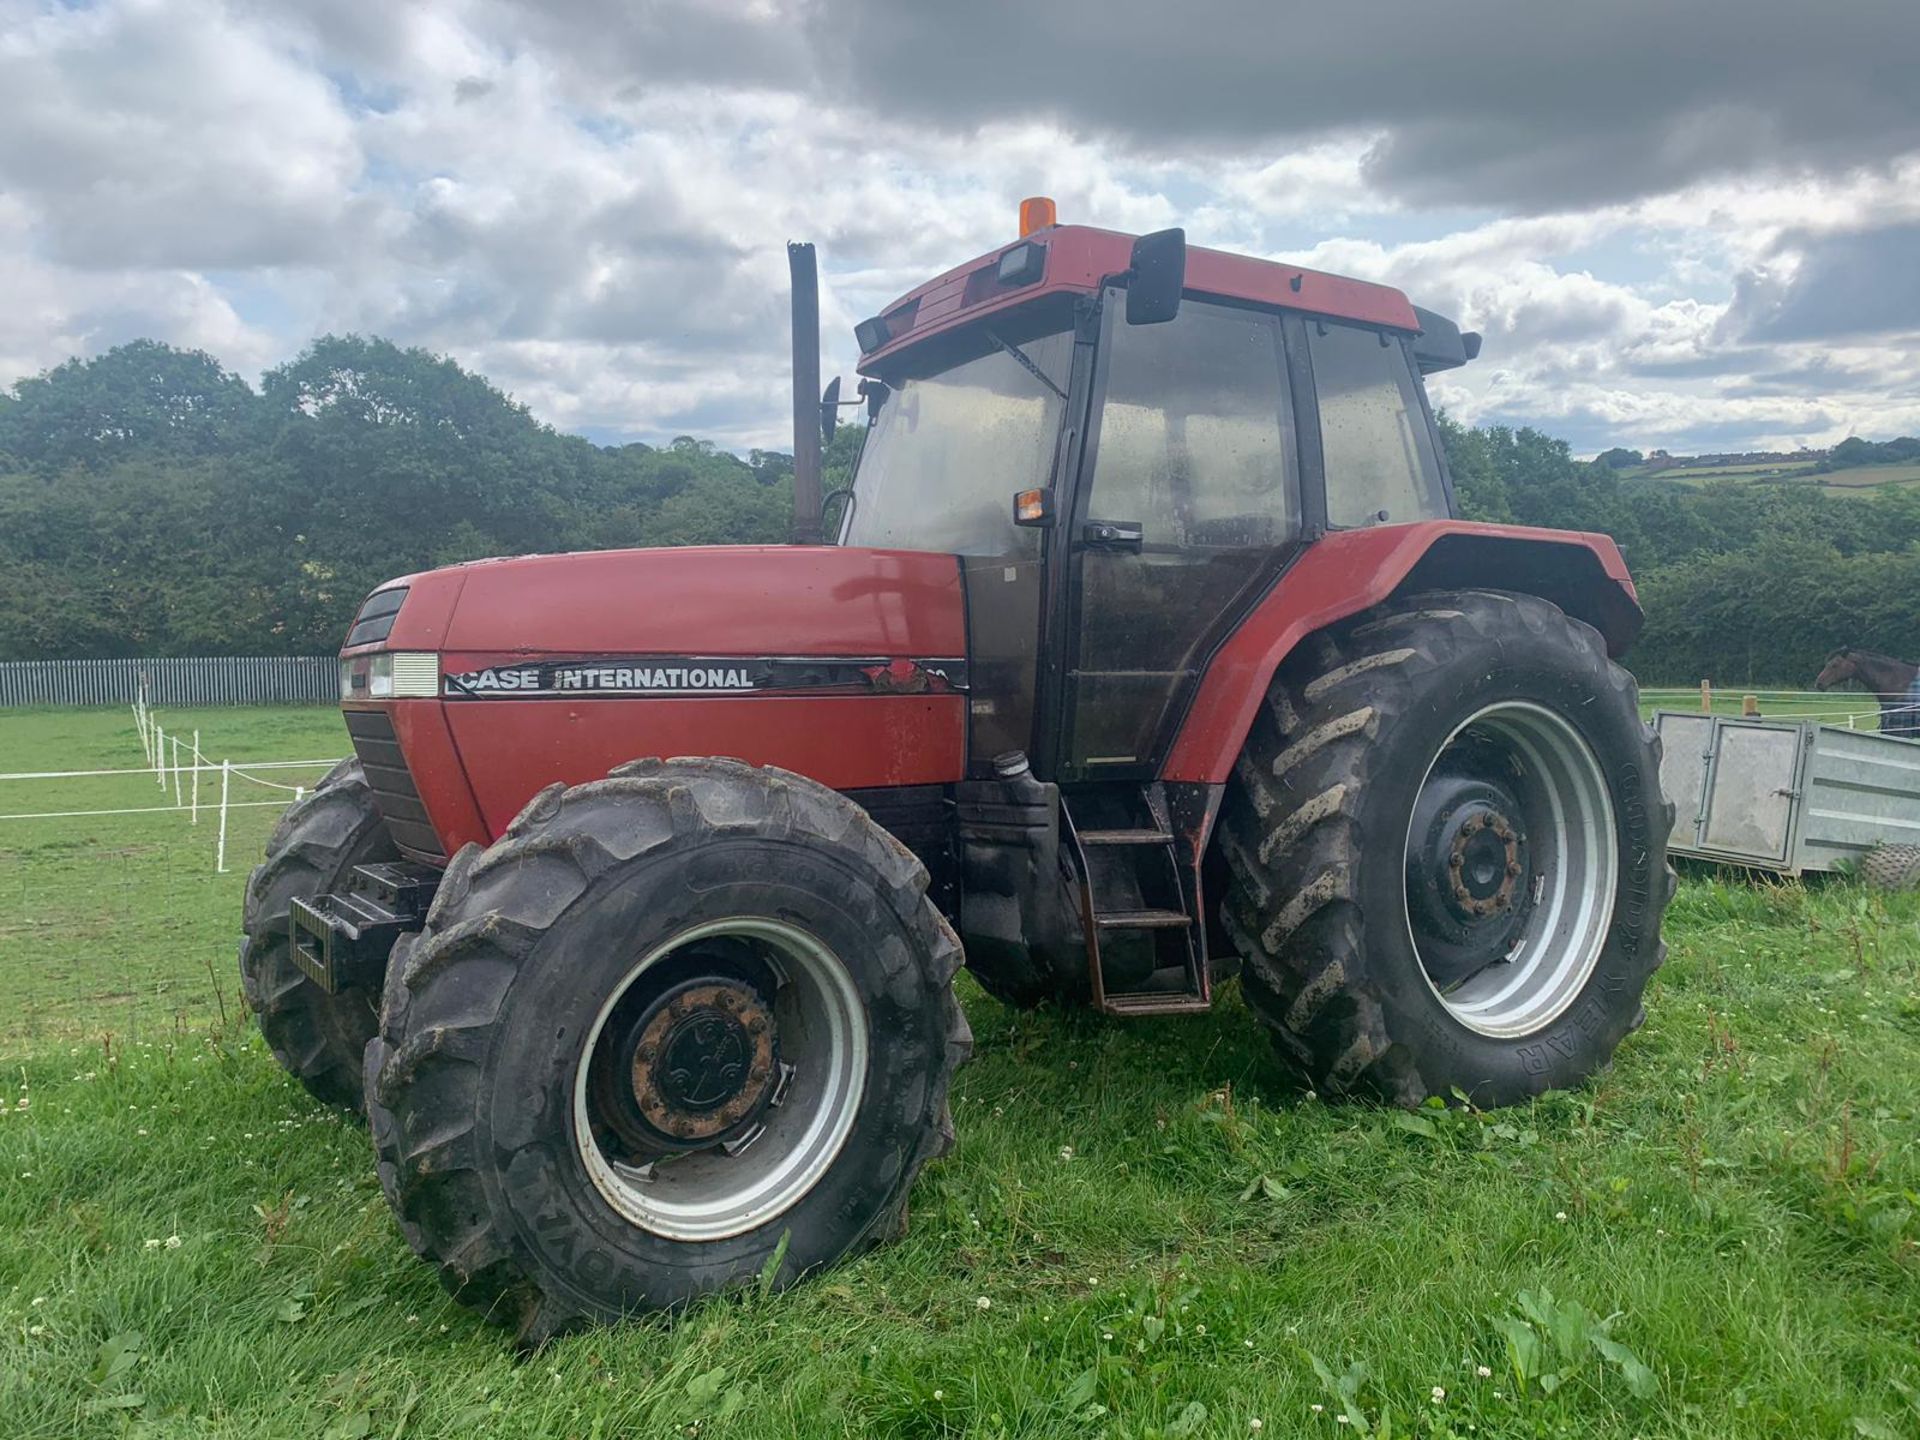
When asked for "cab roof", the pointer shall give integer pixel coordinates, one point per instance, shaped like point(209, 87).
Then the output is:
point(1075, 259)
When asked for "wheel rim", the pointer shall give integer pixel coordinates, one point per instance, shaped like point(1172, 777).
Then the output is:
point(1510, 864)
point(720, 1079)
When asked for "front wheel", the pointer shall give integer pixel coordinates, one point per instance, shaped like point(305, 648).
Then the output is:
point(313, 850)
point(677, 1030)
point(1448, 850)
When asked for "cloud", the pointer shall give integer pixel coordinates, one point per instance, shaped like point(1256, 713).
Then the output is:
point(149, 137)
point(1658, 216)
point(1861, 282)
point(1509, 103)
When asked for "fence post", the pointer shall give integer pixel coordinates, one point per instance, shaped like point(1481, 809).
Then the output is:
point(1750, 706)
point(1706, 697)
point(178, 799)
point(196, 777)
point(160, 756)
point(220, 854)
point(140, 726)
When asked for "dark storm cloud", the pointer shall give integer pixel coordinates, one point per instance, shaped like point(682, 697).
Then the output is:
point(1862, 283)
point(1516, 104)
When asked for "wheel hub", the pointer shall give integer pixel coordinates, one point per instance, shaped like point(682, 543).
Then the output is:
point(701, 1062)
point(1486, 859)
point(1469, 873)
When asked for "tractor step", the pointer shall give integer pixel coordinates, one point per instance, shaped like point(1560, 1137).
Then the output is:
point(1137, 893)
point(1142, 919)
point(1149, 1003)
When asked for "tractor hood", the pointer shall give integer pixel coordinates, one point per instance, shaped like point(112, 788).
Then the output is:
point(499, 678)
point(748, 602)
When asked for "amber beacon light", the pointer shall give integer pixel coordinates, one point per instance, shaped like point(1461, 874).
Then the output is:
point(1036, 213)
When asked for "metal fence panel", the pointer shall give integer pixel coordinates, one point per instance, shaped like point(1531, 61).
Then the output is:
point(174, 681)
point(1861, 791)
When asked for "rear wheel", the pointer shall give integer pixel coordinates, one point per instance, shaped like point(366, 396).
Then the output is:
point(318, 1037)
point(1448, 851)
point(673, 1027)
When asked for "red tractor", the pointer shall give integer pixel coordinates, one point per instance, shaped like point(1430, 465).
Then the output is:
point(1151, 653)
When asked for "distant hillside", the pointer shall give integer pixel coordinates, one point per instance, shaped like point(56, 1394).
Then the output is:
point(1852, 466)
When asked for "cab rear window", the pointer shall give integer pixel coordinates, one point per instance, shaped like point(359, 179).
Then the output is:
point(1380, 460)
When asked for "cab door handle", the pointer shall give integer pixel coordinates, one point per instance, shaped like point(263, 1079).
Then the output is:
point(1113, 535)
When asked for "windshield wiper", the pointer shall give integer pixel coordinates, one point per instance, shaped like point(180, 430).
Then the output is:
point(1026, 364)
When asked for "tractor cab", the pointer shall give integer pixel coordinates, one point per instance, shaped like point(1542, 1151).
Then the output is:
point(1126, 442)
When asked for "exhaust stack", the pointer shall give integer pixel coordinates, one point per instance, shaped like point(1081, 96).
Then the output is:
point(806, 394)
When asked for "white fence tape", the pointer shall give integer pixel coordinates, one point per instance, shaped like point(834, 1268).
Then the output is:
point(175, 763)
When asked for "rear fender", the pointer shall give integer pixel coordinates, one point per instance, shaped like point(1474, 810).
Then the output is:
point(1352, 570)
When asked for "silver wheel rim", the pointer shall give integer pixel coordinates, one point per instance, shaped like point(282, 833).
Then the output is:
point(1571, 883)
point(719, 1192)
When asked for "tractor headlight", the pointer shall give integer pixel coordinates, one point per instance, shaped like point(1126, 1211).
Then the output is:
point(390, 675)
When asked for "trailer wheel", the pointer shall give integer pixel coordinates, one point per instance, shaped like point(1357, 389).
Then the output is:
point(318, 1037)
point(1448, 851)
point(675, 1031)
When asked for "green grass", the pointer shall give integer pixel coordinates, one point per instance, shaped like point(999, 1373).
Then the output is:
point(1166, 1232)
point(120, 921)
point(1830, 708)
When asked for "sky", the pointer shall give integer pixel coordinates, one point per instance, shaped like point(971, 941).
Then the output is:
point(1692, 224)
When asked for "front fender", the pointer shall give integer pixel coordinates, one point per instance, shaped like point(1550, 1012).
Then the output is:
point(1351, 570)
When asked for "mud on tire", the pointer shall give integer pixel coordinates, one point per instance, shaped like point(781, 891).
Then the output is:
point(493, 1015)
point(1319, 834)
point(319, 1038)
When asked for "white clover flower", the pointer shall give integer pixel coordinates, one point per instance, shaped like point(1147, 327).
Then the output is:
point(1317, 1408)
point(173, 1242)
point(1254, 1424)
point(1066, 1152)
point(36, 1329)
point(1560, 1215)
point(1483, 1371)
point(983, 1303)
point(1199, 1329)
point(1439, 1394)
point(153, 1244)
point(939, 1394)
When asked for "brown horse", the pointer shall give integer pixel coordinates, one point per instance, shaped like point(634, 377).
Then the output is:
point(1886, 678)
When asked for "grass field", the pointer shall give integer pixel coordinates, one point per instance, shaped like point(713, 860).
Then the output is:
point(1147, 1229)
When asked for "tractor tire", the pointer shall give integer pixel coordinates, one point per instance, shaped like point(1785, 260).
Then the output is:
point(1447, 845)
point(318, 1037)
point(685, 1029)
point(1891, 867)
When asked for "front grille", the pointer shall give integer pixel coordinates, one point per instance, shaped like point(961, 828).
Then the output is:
point(376, 617)
point(392, 783)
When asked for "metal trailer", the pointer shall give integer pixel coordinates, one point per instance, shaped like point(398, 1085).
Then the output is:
point(1785, 795)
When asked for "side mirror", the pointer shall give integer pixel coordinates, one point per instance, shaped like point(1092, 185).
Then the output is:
point(1156, 276)
point(830, 410)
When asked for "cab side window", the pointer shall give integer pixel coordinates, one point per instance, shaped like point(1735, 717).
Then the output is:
point(1381, 466)
point(1195, 437)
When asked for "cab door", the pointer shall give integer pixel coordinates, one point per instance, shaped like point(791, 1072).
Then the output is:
point(1188, 505)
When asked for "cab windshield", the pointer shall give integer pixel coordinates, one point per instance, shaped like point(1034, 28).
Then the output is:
point(950, 446)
